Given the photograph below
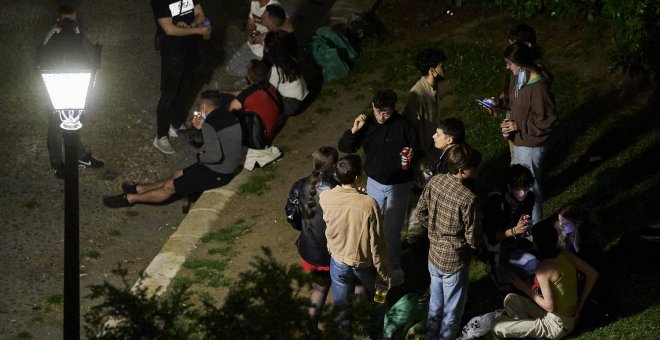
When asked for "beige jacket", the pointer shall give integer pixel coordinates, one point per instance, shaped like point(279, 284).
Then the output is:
point(354, 229)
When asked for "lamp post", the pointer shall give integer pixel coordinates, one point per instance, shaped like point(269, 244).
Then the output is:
point(68, 63)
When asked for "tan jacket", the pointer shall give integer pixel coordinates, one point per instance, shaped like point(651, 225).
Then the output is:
point(354, 229)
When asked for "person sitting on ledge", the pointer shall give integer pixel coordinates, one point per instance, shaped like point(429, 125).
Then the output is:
point(218, 158)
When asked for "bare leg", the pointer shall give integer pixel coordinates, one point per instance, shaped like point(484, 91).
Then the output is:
point(318, 297)
point(159, 193)
point(142, 188)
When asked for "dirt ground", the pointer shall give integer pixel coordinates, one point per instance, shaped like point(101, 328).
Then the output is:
point(119, 129)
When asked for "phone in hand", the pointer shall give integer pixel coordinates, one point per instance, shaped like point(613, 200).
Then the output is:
point(488, 103)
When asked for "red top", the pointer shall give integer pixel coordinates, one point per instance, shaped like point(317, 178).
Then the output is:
point(256, 99)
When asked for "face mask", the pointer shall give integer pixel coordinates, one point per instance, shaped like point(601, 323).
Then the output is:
point(522, 79)
point(567, 226)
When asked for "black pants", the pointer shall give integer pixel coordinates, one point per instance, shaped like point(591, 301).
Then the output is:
point(177, 73)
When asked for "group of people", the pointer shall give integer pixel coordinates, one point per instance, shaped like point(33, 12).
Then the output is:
point(267, 74)
point(271, 88)
point(351, 236)
point(416, 165)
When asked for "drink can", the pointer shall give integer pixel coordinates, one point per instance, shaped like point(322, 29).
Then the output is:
point(405, 153)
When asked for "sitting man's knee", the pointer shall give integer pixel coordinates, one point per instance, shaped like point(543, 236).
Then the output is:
point(169, 187)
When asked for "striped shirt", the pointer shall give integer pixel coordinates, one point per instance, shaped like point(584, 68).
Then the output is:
point(452, 214)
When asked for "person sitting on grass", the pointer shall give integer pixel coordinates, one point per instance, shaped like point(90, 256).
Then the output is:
point(575, 229)
point(554, 312)
point(260, 98)
point(505, 228)
point(218, 158)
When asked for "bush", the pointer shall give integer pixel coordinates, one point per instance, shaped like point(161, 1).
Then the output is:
point(266, 303)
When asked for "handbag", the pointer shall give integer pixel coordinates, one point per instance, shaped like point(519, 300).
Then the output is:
point(295, 209)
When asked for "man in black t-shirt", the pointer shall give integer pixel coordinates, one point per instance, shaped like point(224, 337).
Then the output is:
point(179, 23)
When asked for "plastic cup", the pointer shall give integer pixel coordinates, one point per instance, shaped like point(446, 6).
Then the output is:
point(380, 295)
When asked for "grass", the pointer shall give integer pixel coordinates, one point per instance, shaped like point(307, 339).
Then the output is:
point(258, 184)
point(603, 154)
point(91, 255)
point(31, 204)
point(209, 271)
point(52, 303)
point(24, 335)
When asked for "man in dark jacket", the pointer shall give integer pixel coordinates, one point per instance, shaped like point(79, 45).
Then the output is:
point(217, 159)
point(383, 136)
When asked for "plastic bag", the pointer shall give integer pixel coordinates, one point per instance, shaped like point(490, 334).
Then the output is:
point(403, 314)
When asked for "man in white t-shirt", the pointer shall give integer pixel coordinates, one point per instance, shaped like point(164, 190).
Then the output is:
point(253, 48)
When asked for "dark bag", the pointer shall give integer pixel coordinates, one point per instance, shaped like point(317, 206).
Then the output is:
point(253, 130)
point(332, 52)
point(295, 208)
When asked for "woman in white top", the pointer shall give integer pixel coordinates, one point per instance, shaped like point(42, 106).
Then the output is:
point(285, 73)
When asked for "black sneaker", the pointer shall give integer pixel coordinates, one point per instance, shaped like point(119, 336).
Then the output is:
point(129, 188)
point(119, 201)
point(88, 161)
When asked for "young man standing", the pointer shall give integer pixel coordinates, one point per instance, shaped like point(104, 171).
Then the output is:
point(423, 101)
point(67, 23)
point(449, 132)
point(256, 30)
point(178, 30)
point(355, 236)
point(452, 213)
point(217, 160)
point(383, 136)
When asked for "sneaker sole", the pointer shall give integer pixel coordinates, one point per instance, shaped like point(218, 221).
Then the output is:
point(155, 144)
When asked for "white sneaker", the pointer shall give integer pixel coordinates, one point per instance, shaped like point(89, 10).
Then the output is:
point(172, 132)
point(163, 144)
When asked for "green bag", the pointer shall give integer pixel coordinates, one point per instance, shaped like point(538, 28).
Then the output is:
point(332, 52)
point(403, 315)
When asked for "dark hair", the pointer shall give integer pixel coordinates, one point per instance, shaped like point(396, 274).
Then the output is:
point(522, 33)
point(429, 58)
point(384, 99)
point(453, 127)
point(65, 10)
point(462, 156)
point(211, 96)
point(584, 221)
point(257, 71)
point(278, 53)
point(518, 176)
point(277, 14)
point(520, 54)
point(545, 238)
point(324, 159)
point(348, 167)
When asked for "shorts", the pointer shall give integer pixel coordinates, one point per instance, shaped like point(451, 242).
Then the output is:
point(308, 267)
point(197, 178)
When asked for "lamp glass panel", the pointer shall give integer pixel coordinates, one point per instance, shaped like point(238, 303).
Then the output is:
point(67, 90)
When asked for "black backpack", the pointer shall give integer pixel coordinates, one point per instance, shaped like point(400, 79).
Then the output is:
point(253, 129)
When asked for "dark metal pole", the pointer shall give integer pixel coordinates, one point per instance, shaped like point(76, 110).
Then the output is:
point(71, 237)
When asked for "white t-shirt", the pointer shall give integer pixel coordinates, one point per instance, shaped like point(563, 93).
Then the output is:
point(256, 11)
point(296, 89)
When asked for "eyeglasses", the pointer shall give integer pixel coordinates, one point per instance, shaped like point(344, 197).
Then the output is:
point(383, 112)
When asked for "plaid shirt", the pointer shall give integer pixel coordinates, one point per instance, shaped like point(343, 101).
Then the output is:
point(452, 214)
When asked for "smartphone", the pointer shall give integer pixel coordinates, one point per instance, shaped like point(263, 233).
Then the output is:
point(487, 103)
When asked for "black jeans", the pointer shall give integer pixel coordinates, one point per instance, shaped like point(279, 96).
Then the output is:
point(177, 72)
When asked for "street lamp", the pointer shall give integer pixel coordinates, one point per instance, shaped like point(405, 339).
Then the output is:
point(68, 63)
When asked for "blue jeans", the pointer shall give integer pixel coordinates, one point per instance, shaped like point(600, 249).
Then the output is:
point(532, 158)
point(392, 201)
point(448, 297)
point(344, 279)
